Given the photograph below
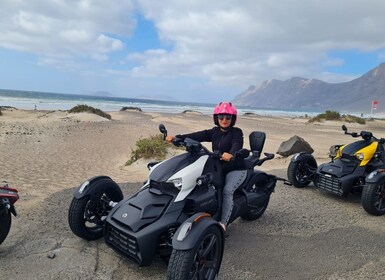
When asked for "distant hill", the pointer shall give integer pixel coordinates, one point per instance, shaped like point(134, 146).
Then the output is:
point(315, 95)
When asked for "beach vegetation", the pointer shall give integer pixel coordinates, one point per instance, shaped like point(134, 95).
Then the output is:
point(153, 147)
point(4, 108)
point(89, 109)
point(126, 108)
point(336, 116)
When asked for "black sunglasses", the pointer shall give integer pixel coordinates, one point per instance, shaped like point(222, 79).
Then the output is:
point(222, 117)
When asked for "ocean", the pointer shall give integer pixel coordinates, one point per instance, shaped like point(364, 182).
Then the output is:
point(58, 101)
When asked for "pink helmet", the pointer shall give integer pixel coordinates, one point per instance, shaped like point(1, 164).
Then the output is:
point(225, 108)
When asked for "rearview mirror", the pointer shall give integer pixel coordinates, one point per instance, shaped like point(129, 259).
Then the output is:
point(344, 128)
point(163, 129)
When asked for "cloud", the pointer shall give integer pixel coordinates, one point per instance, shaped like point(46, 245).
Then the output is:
point(225, 43)
point(243, 42)
point(83, 27)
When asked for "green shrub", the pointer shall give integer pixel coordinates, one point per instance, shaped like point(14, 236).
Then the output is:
point(152, 147)
point(335, 116)
point(125, 108)
point(353, 119)
point(89, 109)
point(328, 115)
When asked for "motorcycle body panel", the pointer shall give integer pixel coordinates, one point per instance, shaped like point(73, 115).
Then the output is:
point(8, 197)
point(364, 147)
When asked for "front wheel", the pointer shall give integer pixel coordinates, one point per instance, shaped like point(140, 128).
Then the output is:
point(201, 262)
point(373, 198)
point(5, 225)
point(302, 170)
point(86, 215)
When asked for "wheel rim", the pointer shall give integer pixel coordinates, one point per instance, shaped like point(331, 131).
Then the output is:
point(96, 213)
point(379, 197)
point(207, 258)
point(303, 172)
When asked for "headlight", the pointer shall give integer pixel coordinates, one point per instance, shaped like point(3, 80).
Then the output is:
point(360, 156)
point(177, 182)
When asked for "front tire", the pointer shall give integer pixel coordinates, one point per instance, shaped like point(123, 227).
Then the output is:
point(201, 262)
point(5, 225)
point(301, 171)
point(373, 198)
point(86, 215)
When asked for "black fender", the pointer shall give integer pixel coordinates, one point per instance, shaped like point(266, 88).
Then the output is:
point(189, 232)
point(93, 186)
point(297, 156)
point(263, 180)
point(377, 176)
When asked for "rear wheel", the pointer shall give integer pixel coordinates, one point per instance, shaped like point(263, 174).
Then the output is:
point(373, 198)
point(201, 262)
point(86, 215)
point(5, 225)
point(301, 171)
point(261, 183)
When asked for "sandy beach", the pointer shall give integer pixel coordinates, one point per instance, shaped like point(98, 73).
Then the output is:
point(304, 234)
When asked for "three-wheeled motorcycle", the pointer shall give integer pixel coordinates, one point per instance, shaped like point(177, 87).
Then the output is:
point(8, 197)
point(358, 166)
point(175, 213)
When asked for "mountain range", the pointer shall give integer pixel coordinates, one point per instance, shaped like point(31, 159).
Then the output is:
point(315, 95)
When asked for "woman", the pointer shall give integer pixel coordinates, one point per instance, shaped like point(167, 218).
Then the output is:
point(226, 139)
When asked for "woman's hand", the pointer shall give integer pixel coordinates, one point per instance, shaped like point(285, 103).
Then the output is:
point(226, 156)
point(169, 138)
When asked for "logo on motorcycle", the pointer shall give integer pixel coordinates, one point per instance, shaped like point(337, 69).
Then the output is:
point(124, 215)
point(330, 170)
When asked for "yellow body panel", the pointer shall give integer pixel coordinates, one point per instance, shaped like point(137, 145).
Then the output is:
point(368, 152)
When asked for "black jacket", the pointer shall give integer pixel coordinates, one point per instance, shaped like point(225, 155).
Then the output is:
point(229, 141)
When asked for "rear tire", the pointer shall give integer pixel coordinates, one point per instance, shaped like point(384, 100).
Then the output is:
point(300, 171)
point(201, 262)
point(261, 183)
point(373, 198)
point(86, 215)
point(5, 225)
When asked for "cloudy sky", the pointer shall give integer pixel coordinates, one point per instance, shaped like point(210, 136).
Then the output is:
point(200, 50)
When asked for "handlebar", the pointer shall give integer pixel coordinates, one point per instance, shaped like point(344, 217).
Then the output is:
point(366, 135)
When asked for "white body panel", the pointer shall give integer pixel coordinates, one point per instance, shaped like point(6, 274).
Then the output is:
point(189, 174)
